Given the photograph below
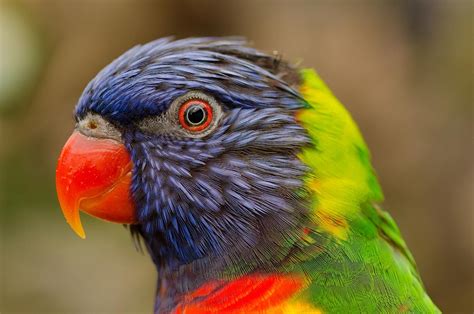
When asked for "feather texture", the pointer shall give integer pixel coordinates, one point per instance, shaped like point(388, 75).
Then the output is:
point(363, 266)
point(366, 266)
point(273, 211)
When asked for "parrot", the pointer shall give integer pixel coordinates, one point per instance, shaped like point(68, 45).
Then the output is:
point(243, 176)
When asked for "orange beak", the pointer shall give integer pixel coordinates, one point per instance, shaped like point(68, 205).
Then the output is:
point(94, 175)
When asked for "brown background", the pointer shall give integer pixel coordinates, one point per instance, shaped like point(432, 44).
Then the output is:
point(403, 68)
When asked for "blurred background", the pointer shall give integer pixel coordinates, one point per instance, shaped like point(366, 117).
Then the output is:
point(403, 68)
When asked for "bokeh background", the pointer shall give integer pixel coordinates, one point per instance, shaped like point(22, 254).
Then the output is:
point(403, 68)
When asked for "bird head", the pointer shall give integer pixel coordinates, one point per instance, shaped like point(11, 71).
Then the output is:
point(194, 143)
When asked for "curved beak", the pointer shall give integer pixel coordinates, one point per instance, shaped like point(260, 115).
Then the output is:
point(94, 175)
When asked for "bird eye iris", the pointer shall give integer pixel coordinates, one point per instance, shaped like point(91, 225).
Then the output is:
point(195, 115)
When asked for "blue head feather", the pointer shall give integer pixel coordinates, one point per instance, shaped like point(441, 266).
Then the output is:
point(146, 79)
point(230, 193)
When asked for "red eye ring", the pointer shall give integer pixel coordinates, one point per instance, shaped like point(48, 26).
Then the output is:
point(198, 107)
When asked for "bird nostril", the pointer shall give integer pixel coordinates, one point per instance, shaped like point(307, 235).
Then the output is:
point(92, 125)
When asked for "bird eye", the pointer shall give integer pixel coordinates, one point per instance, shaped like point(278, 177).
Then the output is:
point(195, 115)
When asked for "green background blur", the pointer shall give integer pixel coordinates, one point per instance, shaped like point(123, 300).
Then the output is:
point(403, 68)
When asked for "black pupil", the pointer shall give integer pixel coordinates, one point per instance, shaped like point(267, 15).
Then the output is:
point(195, 115)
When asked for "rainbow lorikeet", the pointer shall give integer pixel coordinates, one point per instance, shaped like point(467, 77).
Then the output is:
point(247, 180)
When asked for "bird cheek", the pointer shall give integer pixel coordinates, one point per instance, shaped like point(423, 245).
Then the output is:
point(94, 175)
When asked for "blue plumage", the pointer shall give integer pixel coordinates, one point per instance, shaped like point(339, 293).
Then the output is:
point(231, 196)
point(233, 199)
point(215, 183)
point(146, 79)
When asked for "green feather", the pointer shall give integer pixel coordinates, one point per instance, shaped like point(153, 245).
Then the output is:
point(362, 263)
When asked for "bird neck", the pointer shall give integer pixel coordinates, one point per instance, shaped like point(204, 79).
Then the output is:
point(341, 176)
point(180, 286)
point(176, 279)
